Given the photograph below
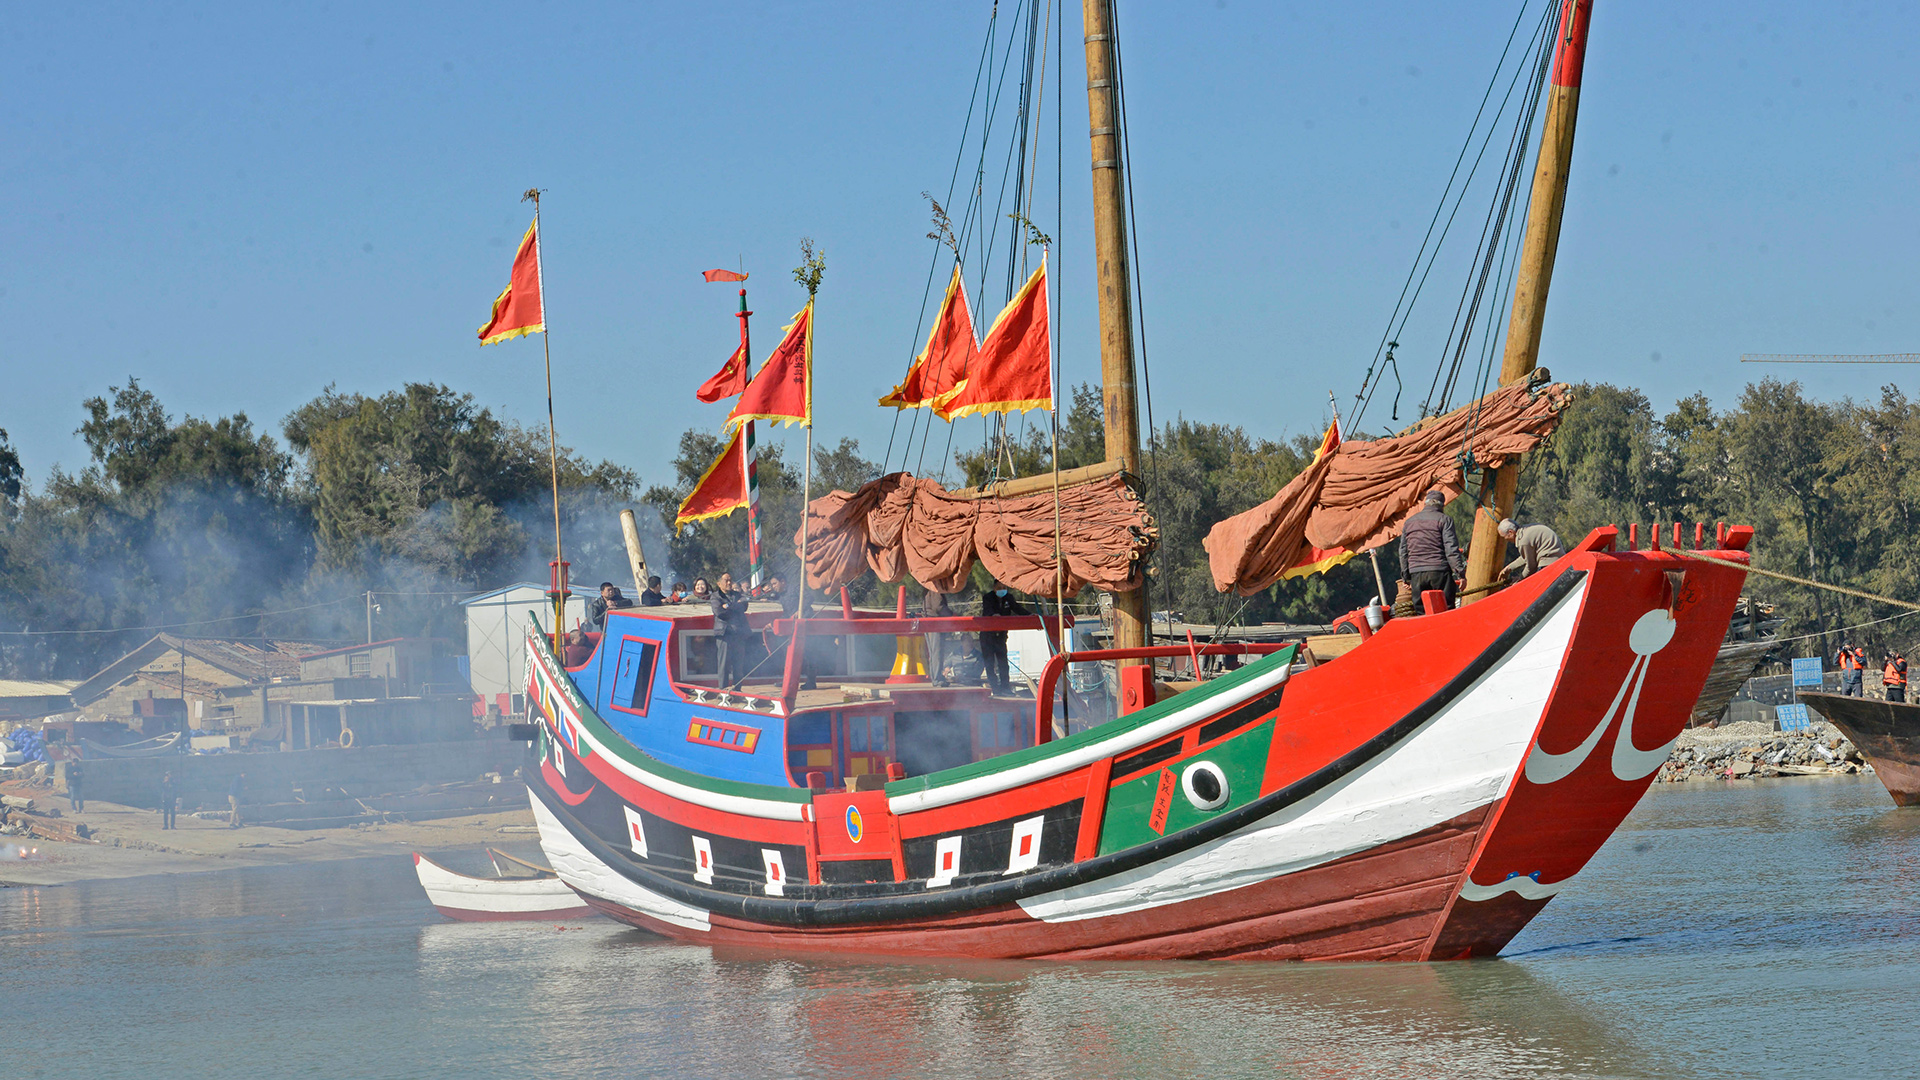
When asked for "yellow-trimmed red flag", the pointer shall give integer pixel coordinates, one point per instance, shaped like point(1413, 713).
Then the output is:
point(518, 309)
point(1315, 560)
point(1013, 371)
point(722, 489)
point(731, 379)
point(782, 391)
point(936, 373)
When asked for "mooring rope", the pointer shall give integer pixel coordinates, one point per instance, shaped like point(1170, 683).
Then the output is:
point(1809, 582)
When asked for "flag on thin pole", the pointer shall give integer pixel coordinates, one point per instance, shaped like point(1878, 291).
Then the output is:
point(1013, 371)
point(782, 391)
point(722, 275)
point(722, 489)
point(518, 309)
point(936, 373)
point(1315, 560)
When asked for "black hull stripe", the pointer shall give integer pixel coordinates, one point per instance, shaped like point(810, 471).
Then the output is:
point(952, 901)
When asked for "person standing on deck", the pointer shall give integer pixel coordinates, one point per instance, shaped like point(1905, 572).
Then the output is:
point(730, 631)
point(1536, 544)
point(76, 785)
point(997, 602)
point(653, 597)
point(1852, 662)
point(1430, 549)
point(169, 799)
point(934, 606)
point(1894, 676)
point(610, 599)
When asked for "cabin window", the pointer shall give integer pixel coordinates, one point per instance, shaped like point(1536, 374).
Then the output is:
point(633, 675)
point(866, 743)
point(359, 665)
point(810, 747)
point(699, 655)
point(929, 740)
point(1000, 733)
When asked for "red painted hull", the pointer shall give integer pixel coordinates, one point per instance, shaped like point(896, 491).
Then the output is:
point(1422, 797)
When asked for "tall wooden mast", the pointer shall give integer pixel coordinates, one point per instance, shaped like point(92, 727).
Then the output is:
point(1120, 402)
point(1487, 551)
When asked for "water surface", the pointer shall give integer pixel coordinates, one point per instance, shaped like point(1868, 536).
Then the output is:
point(1760, 929)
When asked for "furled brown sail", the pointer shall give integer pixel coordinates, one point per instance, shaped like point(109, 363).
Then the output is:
point(902, 524)
point(1358, 496)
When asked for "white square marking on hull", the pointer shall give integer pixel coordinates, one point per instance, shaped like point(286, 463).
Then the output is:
point(702, 860)
point(1025, 852)
point(946, 862)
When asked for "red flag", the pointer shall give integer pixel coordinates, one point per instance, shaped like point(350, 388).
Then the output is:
point(782, 391)
point(518, 309)
point(936, 373)
point(722, 275)
point(1014, 368)
point(722, 489)
point(1313, 560)
point(731, 379)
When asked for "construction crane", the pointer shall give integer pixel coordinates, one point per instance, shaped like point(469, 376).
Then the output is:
point(1831, 358)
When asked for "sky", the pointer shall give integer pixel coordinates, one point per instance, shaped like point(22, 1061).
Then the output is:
point(244, 205)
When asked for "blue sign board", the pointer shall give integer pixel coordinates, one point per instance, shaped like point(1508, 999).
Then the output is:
point(1806, 671)
point(1791, 717)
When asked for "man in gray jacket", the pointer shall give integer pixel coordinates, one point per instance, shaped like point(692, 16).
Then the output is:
point(1430, 549)
point(1538, 546)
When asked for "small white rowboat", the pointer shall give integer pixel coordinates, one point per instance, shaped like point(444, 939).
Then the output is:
point(520, 890)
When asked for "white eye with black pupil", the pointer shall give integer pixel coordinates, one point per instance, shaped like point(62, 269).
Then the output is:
point(1204, 785)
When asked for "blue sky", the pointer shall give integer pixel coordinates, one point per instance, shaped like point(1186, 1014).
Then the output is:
point(243, 204)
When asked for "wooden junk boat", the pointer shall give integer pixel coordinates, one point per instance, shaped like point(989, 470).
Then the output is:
point(1887, 734)
point(518, 890)
point(1421, 796)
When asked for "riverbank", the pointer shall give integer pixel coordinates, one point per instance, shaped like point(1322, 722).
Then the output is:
point(126, 841)
point(1751, 750)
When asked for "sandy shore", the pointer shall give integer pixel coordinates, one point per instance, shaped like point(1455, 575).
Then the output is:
point(129, 842)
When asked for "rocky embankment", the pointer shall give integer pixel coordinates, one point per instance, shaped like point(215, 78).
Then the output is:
point(1750, 750)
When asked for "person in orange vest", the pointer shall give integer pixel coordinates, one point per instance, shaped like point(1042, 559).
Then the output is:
point(1852, 661)
point(1894, 675)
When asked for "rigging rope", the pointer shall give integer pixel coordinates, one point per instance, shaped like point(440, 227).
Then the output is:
point(1139, 306)
point(1429, 247)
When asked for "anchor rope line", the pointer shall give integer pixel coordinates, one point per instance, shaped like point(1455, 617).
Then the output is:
point(1809, 582)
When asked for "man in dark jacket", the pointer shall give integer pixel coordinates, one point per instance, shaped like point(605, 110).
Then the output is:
point(76, 785)
point(1430, 549)
point(610, 599)
point(730, 631)
point(653, 597)
point(169, 799)
point(997, 601)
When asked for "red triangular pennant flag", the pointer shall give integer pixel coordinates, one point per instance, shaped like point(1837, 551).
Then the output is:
point(782, 391)
point(722, 275)
point(518, 309)
point(1313, 560)
point(731, 379)
point(936, 373)
point(722, 489)
point(1013, 371)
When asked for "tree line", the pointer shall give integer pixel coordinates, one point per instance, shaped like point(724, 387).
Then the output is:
point(420, 497)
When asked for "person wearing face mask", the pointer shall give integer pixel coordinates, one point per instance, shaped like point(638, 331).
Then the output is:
point(997, 601)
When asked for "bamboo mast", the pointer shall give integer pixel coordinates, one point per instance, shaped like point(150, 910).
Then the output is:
point(1487, 550)
point(553, 442)
point(1120, 402)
